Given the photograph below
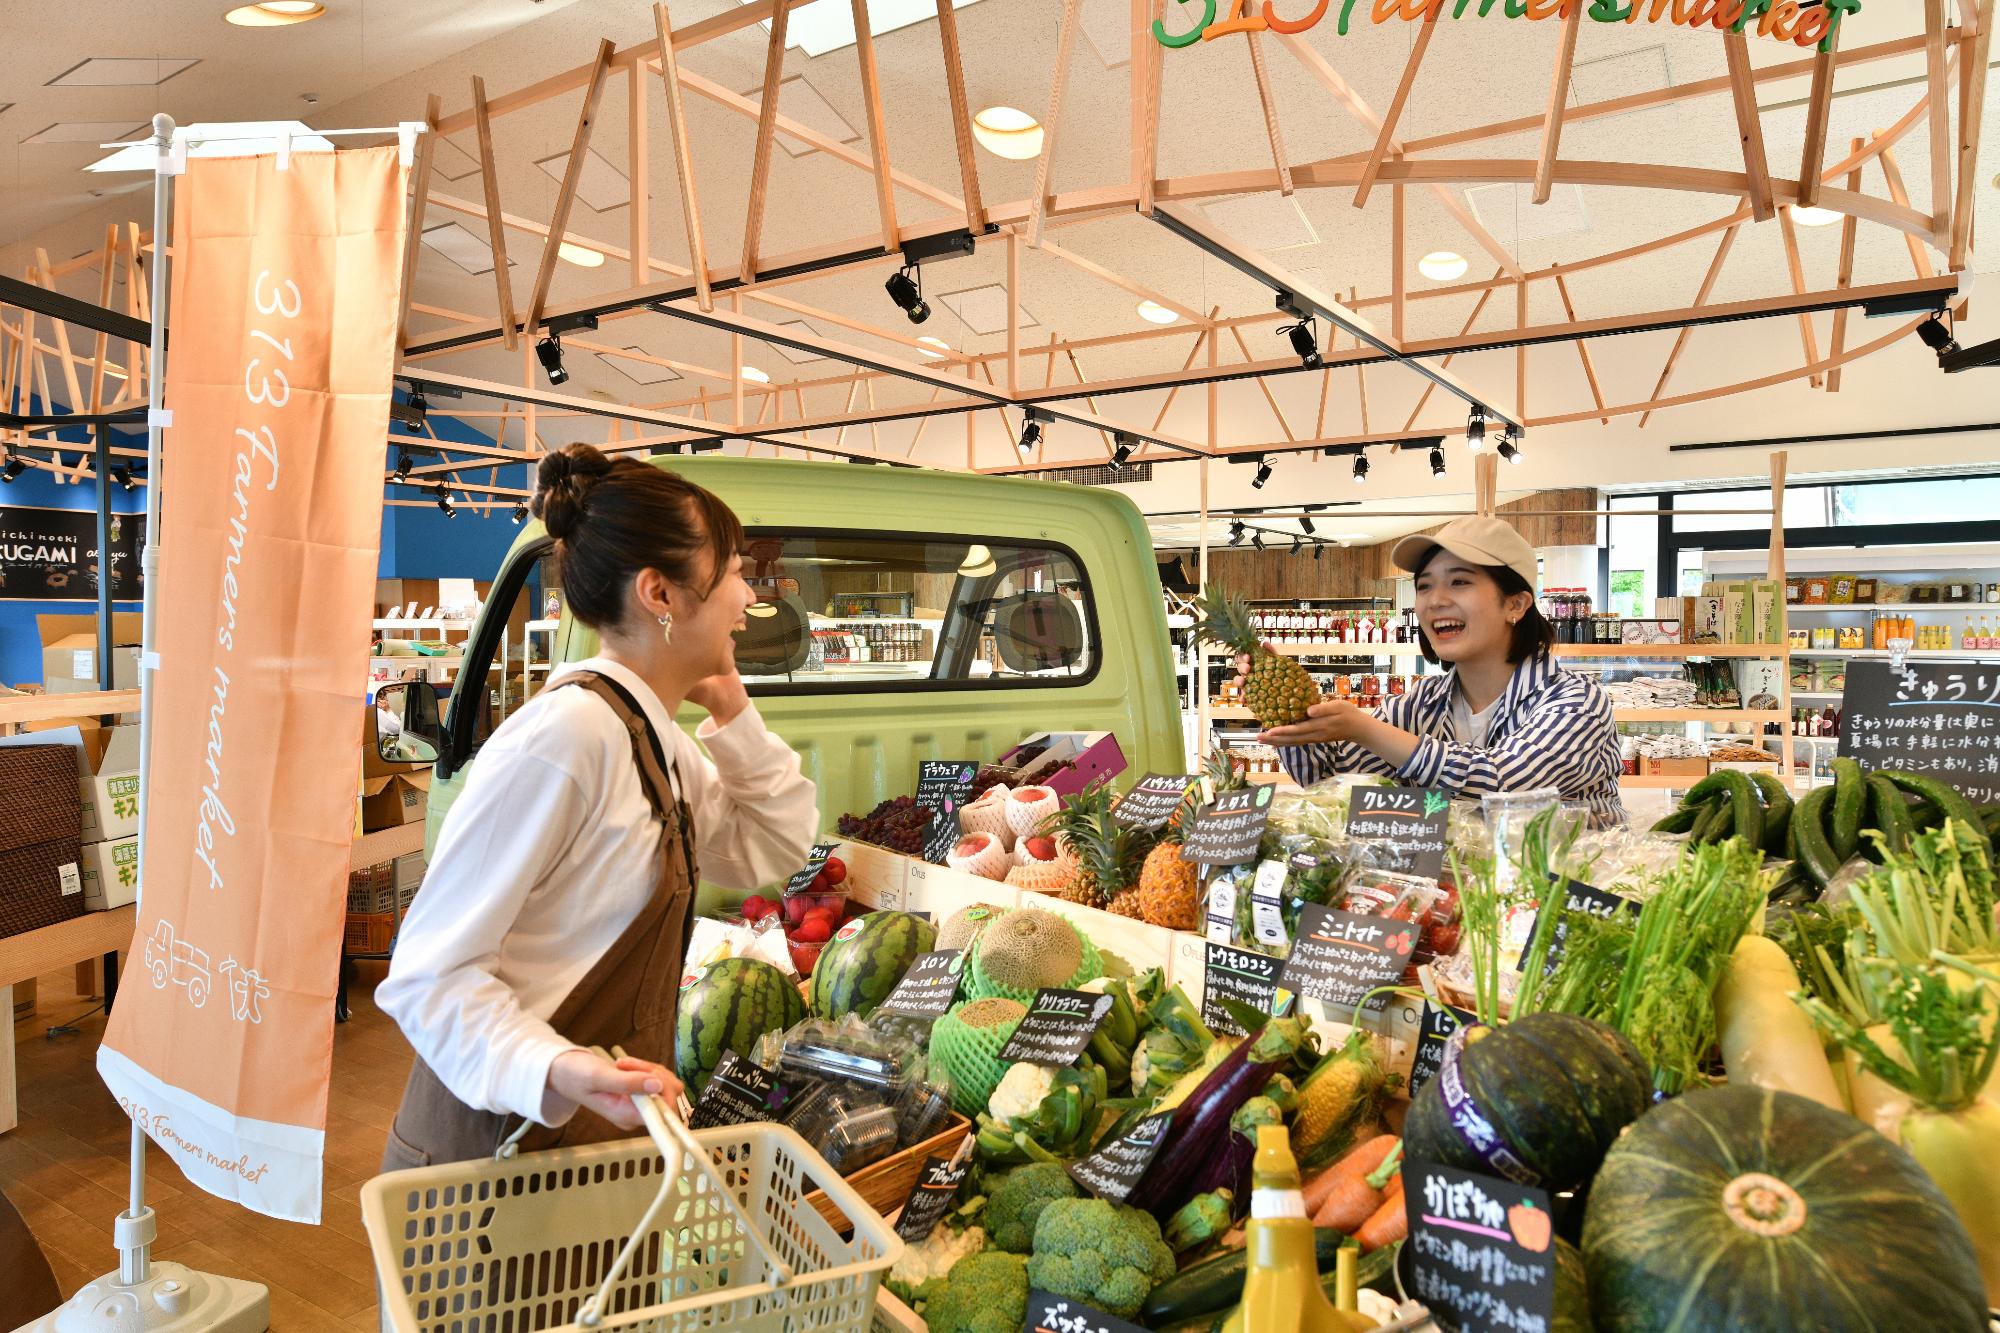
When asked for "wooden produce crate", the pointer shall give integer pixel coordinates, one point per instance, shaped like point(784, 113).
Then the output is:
point(887, 1183)
point(874, 875)
point(892, 1316)
point(369, 932)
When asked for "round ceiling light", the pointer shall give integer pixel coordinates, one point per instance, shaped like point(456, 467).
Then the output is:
point(274, 14)
point(1814, 217)
point(935, 348)
point(580, 255)
point(1008, 132)
point(1155, 313)
point(1442, 265)
point(756, 375)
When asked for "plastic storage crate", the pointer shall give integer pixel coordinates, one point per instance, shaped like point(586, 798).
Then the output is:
point(521, 1244)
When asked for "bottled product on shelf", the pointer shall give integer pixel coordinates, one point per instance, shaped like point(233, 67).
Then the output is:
point(1306, 626)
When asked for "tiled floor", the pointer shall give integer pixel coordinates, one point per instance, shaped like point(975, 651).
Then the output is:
point(65, 1169)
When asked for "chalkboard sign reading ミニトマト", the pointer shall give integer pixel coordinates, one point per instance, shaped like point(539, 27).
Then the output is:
point(816, 861)
point(1482, 1251)
point(930, 1198)
point(1114, 1171)
point(1937, 719)
point(1576, 897)
point(1057, 1027)
point(1434, 1029)
point(1152, 800)
point(942, 787)
point(1243, 976)
point(1339, 956)
point(928, 987)
point(1408, 824)
point(1226, 831)
point(739, 1092)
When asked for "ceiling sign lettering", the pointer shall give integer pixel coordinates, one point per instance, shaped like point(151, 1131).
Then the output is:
point(1803, 24)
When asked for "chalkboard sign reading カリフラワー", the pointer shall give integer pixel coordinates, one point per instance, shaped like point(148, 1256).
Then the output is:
point(1434, 1029)
point(1057, 1027)
point(930, 1198)
point(928, 987)
point(1408, 824)
point(1226, 831)
point(1339, 956)
point(1936, 719)
point(1482, 1251)
point(1113, 1171)
point(1152, 800)
point(942, 787)
point(739, 1092)
point(1245, 977)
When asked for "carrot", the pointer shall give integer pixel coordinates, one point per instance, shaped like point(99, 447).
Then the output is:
point(1359, 1161)
point(1352, 1203)
point(1389, 1223)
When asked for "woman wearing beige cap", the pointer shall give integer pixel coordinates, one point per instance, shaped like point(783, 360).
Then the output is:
point(1505, 717)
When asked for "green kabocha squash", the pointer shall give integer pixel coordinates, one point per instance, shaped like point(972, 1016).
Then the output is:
point(864, 961)
point(1753, 1211)
point(727, 1006)
point(1572, 1310)
point(1544, 1098)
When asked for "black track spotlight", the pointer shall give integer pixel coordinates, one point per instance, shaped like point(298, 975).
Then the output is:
point(1937, 336)
point(1031, 433)
point(1475, 429)
point(906, 288)
point(1361, 469)
point(1306, 526)
point(1319, 552)
point(1297, 542)
point(13, 467)
point(403, 465)
point(443, 494)
point(1257, 539)
point(1122, 453)
point(122, 474)
point(1263, 474)
point(1510, 445)
point(1304, 343)
point(1437, 460)
point(1235, 532)
point(519, 514)
point(549, 352)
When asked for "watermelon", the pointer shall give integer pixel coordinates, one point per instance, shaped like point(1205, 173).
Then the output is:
point(1554, 1090)
point(727, 1006)
point(1752, 1210)
point(864, 961)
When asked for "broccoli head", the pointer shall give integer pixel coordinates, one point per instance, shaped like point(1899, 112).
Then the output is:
point(1200, 1220)
point(1016, 1203)
point(1102, 1254)
point(985, 1293)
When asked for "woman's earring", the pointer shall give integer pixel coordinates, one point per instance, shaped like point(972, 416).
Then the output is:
point(666, 627)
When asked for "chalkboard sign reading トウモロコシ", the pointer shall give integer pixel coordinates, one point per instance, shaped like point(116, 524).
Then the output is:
point(1114, 1171)
point(816, 861)
point(1226, 831)
point(928, 986)
point(1152, 800)
point(1339, 956)
point(1245, 977)
point(1576, 897)
point(1481, 1251)
point(942, 787)
point(1434, 1029)
point(1408, 824)
point(739, 1092)
point(1057, 1027)
point(1936, 719)
point(930, 1198)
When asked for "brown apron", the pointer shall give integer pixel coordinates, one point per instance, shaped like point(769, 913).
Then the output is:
point(626, 999)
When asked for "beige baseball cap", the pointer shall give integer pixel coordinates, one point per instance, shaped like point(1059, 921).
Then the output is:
point(1481, 540)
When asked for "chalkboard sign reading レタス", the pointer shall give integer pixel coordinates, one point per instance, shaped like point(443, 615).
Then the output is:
point(1226, 831)
point(1938, 719)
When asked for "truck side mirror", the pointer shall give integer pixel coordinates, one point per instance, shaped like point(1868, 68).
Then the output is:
point(406, 723)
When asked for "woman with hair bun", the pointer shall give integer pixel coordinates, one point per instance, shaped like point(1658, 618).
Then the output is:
point(554, 915)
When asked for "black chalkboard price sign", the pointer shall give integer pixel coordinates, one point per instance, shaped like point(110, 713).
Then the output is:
point(928, 987)
point(1057, 1027)
point(943, 785)
point(816, 861)
point(1339, 956)
point(1434, 1029)
point(1152, 800)
point(1937, 719)
point(739, 1092)
point(1481, 1251)
point(930, 1198)
point(1059, 1314)
point(1243, 976)
point(1409, 826)
point(1226, 831)
point(1576, 897)
point(1114, 1171)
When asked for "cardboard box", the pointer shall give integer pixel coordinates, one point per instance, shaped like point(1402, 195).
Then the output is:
point(111, 787)
point(388, 802)
point(110, 873)
point(69, 652)
point(1066, 761)
point(1656, 767)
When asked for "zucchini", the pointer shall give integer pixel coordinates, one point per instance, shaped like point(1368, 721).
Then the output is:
point(1680, 821)
point(1850, 793)
point(1808, 827)
point(1890, 812)
point(1713, 823)
point(1217, 1283)
point(1747, 811)
point(1790, 851)
point(1947, 799)
point(1777, 812)
point(1374, 1271)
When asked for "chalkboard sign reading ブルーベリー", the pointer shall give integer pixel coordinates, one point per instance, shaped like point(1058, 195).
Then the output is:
point(930, 1198)
point(942, 787)
point(1577, 897)
point(1339, 956)
point(1482, 1251)
point(928, 987)
point(1152, 800)
point(1114, 1171)
point(1226, 831)
point(739, 1092)
point(816, 861)
point(1057, 1027)
point(1059, 1314)
point(1245, 977)
point(1434, 1029)
point(1938, 719)
point(1409, 824)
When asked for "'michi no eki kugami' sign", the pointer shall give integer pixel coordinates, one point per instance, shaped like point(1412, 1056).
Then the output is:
point(1801, 22)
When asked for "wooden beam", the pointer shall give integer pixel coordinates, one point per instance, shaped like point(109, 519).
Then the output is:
point(961, 115)
point(1552, 123)
point(1749, 129)
point(1848, 227)
point(414, 235)
point(1200, 341)
point(1582, 349)
point(670, 77)
point(566, 196)
point(71, 383)
point(1139, 289)
point(110, 270)
point(1972, 79)
point(760, 161)
point(1272, 133)
point(639, 169)
point(1920, 258)
point(878, 132)
point(1284, 427)
point(496, 229)
point(1384, 136)
point(1013, 311)
point(1038, 206)
point(1700, 299)
point(1430, 388)
point(1937, 105)
point(1143, 73)
point(1819, 110)
point(1807, 338)
point(1398, 282)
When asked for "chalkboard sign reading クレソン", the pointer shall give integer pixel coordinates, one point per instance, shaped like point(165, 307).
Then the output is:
point(1339, 956)
point(1937, 719)
point(1481, 1251)
point(942, 787)
point(1408, 825)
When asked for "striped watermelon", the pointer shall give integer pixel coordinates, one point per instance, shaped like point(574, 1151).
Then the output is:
point(865, 959)
point(727, 1006)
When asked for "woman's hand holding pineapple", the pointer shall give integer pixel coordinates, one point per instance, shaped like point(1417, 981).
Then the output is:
point(1331, 721)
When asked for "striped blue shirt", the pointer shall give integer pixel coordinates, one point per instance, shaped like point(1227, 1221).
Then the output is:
point(1551, 728)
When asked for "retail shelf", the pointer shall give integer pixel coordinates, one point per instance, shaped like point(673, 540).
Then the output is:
point(1674, 650)
point(451, 661)
point(1330, 650)
point(48, 948)
point(1816, 694)
point(892, 668)
point(1699, 714)
point(881, 620)
point(20, 708)
point(1925, 654)
point(1925, 608)
point(1638, 782)
point(1230, 713)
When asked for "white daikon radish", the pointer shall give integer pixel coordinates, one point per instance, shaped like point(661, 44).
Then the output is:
point(1766, 1039)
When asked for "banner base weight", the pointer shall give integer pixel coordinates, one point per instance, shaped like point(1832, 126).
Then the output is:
point(172, 1299)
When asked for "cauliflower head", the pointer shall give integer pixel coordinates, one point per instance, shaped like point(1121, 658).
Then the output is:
point(1021, 1091)
point(934, 1259)
point(986, 1293)
point(1017, 1201)
point(1099, 1253)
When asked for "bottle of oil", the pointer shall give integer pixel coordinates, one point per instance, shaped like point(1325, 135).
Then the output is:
point(1281, 1290)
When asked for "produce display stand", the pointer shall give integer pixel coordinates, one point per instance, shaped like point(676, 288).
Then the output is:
point(884, 1185)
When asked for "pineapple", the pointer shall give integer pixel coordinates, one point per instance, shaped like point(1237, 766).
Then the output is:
point(1108, 854)
point(1076, 821)
point(1277, 689)
point(1169, 894)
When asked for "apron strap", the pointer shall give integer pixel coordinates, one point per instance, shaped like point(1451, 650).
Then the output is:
point(656, 772)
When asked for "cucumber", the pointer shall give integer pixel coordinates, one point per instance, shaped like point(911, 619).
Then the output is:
point(1713, 824)
point(1790, 850)
point(1947, 799)
point(1809, 828)
point(1217, 1283)
point(1777, 812)
point(1850, 794)
point(1680, 821)
point(1890, 813)
point(1747, 810)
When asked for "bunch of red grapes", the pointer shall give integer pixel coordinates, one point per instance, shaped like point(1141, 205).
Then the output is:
point(899, 824)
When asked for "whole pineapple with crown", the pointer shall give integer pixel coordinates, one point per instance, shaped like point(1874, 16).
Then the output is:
point(1112, 856)
point(1169, 894)
point(1277, 689)
point(1080, 829)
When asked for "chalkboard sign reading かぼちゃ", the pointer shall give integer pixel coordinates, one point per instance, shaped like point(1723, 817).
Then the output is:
point(1409, 824)
point(1937, 719)
point(1057, 1027)
point(1339, 956)
point(942, 787)
point(1482, 1251)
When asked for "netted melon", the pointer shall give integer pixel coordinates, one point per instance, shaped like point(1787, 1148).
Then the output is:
point(958, 930)
point(965, 1048)
point(1026, 950)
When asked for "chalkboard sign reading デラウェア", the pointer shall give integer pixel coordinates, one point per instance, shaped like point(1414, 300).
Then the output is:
point(942, 787)
point(1936, 719)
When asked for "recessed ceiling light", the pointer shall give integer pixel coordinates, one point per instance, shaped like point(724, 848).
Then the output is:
point(274, 14)
point(1814, 217)
point(1008, 132)
point(580, 255)
point(1442, 265)
point(929, 343)
point(752, 373)
point(1155, 313)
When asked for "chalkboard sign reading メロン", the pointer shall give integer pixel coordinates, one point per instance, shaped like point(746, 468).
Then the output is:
point(1152, 800)
point(1408, 824)
point(942, 787)
point(1339, 956)
point(1226, 831)
point(1937, 719)
point(1482, 1251)
point(1057, 1027)
point(928, 987)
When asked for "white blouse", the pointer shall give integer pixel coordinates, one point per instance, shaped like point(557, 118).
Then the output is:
point(546, 856)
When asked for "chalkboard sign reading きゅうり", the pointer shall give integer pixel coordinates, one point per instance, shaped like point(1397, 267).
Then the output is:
point(1408, 825)
point(1937, 719)
point(1340, 956)
point(942, 787)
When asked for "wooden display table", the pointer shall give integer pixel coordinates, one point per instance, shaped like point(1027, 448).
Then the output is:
point(32, 953)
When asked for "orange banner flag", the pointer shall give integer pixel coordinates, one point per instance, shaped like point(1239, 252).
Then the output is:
point(284, 312)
